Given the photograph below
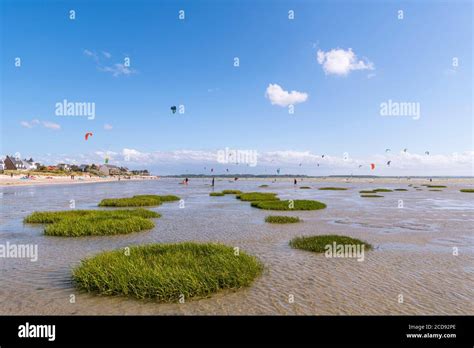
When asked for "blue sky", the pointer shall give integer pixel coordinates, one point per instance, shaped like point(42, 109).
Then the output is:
point(190, 62)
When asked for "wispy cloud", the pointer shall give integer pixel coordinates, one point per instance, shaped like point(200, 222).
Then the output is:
point(36, 122)
point(117, 69)
point(303, 162)
point(278, 96)
point(342, 62)
point(51, 125)
point(30, 124)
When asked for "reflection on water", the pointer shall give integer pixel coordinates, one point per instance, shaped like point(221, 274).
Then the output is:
point(413, 252)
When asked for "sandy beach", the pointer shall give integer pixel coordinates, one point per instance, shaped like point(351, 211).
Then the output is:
point(20, 179)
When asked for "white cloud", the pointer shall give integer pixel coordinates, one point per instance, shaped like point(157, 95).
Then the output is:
point(51, 125)
point(35, 122)
point(278, 96)
point(91, 54)
point(108, 126)
point(341, 62)
point(30, 124)
point(302, 162)
point(118, 69)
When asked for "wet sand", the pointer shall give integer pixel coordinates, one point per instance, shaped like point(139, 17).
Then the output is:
point(412, 256)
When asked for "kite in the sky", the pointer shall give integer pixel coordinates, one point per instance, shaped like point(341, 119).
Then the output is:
point(89, 134)
point(360, 165)
point(300, 164)
point(388, 163)
point(106, 160)
point(405, 150)
point(278, 170)
point(372, 166)
point(387, 150)
point(322, 156)
point(173, 109)
point(427, 152)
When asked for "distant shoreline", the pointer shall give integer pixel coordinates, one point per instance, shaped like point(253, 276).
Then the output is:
point(7, 181)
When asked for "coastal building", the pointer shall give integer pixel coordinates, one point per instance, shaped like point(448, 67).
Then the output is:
point(108, 169)
point(30, 164)
point(64, 166)
point(14, 163)
point(2, 165)
point(83, 167)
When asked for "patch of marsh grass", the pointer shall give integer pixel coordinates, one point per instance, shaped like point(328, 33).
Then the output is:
point(231, 192)
point(467, 190)
point(332, 188)
point(216, 194)
point(298, 204)
point(400, 189)
point(138, 201)
point(167, 272)
point(279, 219)
point(305, 187)
point(371, 196)
point(257, 196)
point(77, 223)
point(318, 243)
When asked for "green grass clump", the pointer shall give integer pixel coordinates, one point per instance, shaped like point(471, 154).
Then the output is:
point(278, 219)
point(76, 223)
point(135, 201)
point(435, 186)
point(138, 201)
point(77, 227)
point(216, 194)
point(318, 243)
point(286, 205)
point(332, 188)
point(371, 196)
point(166, 272)
point(263, 186)
point(257, 196)
point(165, 198)
point(231, 192)
point(305, 187)
point(435, 190)
point(48, 217)
point(467, 190)
point(400, 190)
point(382, 190)
point(367, 191)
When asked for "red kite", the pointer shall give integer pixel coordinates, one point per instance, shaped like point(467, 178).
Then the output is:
point(89, 134)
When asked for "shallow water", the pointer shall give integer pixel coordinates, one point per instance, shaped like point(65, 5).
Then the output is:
point(412, 256)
